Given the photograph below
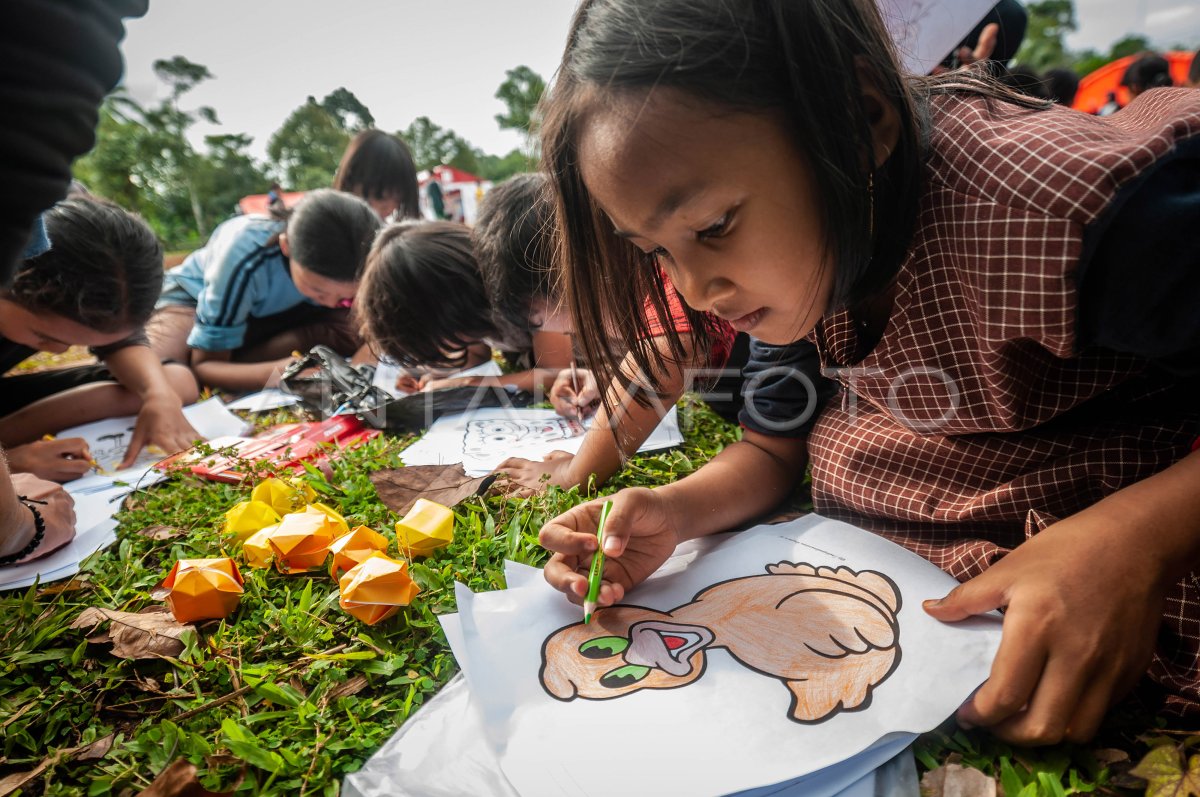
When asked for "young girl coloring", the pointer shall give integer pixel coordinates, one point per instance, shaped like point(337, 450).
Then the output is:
point(1003, 295)
point(262, 288)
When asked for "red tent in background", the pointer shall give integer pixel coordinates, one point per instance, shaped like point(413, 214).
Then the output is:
point(1095, 88)
point(257, 203)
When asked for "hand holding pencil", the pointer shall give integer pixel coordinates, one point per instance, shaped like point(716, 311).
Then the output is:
point(52, 459)
point(575, 393)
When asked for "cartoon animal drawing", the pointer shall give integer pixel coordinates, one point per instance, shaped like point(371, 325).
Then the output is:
point(485, 437)
point(830, 635)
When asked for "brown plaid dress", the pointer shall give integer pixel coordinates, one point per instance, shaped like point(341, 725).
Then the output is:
point(974, 423)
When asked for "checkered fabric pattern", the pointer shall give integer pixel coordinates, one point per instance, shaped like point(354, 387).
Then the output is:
point(974, 422)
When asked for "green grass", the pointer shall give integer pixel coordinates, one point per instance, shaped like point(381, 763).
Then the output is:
point(290, 694)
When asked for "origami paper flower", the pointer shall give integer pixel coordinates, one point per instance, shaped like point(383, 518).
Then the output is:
point(284, 497)
point(376, 588)
point(301, 540)
point(427, 527)
point(248, 517)
point(350, 549)
point(257, 548)
point(203, 589)
point(335, 516)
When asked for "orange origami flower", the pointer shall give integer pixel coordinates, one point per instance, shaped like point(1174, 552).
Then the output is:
point(248, 517)
point(257, 548)
point(350, 549)
point(427, 527)
point(203, 589)
point(284, 497)
point(376, 588)
point(301, 540)
point(342, 526)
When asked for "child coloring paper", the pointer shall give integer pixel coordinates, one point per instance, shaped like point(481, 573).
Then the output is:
point(788, 649)
point(484, 438)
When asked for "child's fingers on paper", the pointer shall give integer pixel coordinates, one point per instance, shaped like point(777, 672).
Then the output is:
point(572, 533)
point(1058, 693)
point(1092, 708)
point(561, 573)
point(1015, 673)
point(68, 447)
point(980, 595)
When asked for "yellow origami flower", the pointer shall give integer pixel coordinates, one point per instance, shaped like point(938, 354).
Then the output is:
point(335, 516)
point(284, 497)
point(376, 588)
point(301, 540)
point(257, 548)
point(248, 517)
point(427, 527)
point(203, 589)
point(350, 549)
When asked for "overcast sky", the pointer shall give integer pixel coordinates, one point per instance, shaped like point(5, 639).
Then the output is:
point(438, 58)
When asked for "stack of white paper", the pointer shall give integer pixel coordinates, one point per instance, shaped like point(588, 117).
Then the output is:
point(98, 496)
point(789, 659)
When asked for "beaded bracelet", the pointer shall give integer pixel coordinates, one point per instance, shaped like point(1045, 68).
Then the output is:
point(39, 531)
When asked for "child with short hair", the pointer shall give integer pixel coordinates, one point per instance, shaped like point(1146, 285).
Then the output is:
point(96, 286)
point(1002, 292)
point(514, 243)
point(262, 288)
point(379, 168)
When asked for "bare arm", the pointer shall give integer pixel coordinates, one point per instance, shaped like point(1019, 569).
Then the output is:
point(216, 368)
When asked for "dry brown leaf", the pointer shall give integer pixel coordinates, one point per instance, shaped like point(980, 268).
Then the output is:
point(399, 488)
point(95, 750)
point(161, 532)
point(953, 780)
point(16, 780)
point(1108, 756)
point(351, 686)
point(76, 584)
point(179, 780)
point(149, 634)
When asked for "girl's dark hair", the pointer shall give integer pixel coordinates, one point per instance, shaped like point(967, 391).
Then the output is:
point(514, 245)
point(330, 232)
point(1149, 71)
point(104, 268)
point(800, 61)
point(378, 166)
point(421, 301)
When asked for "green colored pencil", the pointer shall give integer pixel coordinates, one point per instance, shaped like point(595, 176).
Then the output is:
point(593, 593)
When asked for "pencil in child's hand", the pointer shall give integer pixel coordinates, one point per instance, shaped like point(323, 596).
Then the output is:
point(575, 386)
point(597, 569)
point(49, 438)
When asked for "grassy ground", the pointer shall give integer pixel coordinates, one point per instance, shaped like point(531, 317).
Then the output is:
point(290, 693)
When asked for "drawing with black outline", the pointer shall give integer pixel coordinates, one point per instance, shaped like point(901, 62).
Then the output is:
point(484, 438)
point(830, 635)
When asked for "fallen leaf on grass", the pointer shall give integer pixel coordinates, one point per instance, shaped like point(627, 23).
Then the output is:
point(97, 749)
point(1163, 771)
point(399, 488)
point(161, 532)
point(1109, 755)
point(179, 780)
point(149, 634)
point(953, 780)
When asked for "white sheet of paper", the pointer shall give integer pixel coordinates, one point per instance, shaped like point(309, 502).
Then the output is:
point(98, 496)
point(387, 372)
point(484, 438)
point(926, 31)
point(264, 400)
point(681, 740)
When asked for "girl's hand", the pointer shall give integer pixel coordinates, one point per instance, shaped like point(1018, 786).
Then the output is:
point(58, 514)
point(527, 477)
point(161, 422)
point(638, 537)
point(429, 383)
point(569, 403)
point(1084, 603)
point(54, 460)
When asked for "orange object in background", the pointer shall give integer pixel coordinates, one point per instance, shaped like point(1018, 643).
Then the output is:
point(283, 496)
point(301, 540)
point(342, 526)
point(248, 517)
point(376, 588)
point(257, 548)
point(203, 589)
point(427, 527)
point(351, 549)
point(1095, 87)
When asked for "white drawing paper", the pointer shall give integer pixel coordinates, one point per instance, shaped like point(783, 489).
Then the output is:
point(723, 704)
point(387, 372)
point(98, 496)
point(264, 400)
point(484, 438)
point(926, 31)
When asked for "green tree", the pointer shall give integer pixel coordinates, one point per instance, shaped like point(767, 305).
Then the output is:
point(521, 92)
point(432, 145)
point(1049, 23)
point(1131, 44)
point(227, 173)
point(352, 116)
point(497, 168)
point(305, 150)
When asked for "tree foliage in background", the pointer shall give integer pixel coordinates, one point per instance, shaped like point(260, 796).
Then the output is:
point(521, 92)
point(1045, 46)
point(305, 150)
